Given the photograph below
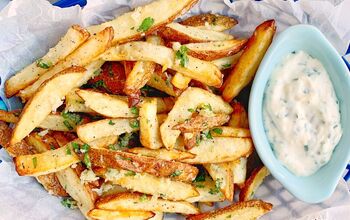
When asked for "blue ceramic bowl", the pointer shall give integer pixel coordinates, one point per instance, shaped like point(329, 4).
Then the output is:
point(319, 186)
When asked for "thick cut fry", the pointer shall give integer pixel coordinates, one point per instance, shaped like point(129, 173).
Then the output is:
point(37, 164)
point(104, 142)
point(253, 183)
point(46, 99)
point(241, 210)
point(149, 184)
point(239, 117)
point(239, 171)
point(141, 164)
point(9, 117)
point(149, 125)
point(199, 123)
point(76, 104)
point(139, 76)
point(215, 50)
point(101, 214)
point(222, 174)
point(115, 106)
point(199, 70)
point(208, 191)
point(82, 56)
point(162, 153)
point(225, 131)
point(187, 34)
point(74, 37)
point(180, 81)
point(185, 105)
point(137, 201)
point(55, 122)
point(248, 63)
point(157, 82)
point(213, 22)
point(227, 62)
point(104, 128)
point(129, 25)
point(220, 149)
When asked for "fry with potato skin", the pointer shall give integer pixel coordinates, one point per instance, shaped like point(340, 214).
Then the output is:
point(248, 63)
point(253, 183)
point(239, 117)
point(208, 21)
point(141, 164)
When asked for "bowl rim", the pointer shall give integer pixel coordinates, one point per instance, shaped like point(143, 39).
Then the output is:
point(254, 123)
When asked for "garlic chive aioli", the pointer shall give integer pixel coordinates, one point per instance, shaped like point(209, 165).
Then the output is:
point(301, 114)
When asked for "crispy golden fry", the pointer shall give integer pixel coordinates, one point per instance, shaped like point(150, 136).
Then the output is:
point(76, 104)
point(222, 173)
point(138, 201)
point(37, 164)
point(213, 22)
point(149, 184)
point(201, 123)
point(227, 62)
point(139, 76)
point(185, 105)
point(162, 153)
point(74, 37)
point(199, 70)
point(82, 56)
point(214, 50)
point(180, 81)
point(225, 131)
point(239, 117)
point(253, 183)
point(220, 149)
point(141, 164)
point(239, 171)
point(115, 106)
point(149, 125)
point(46, 99)
point(157, 82)
point(208, 191)
point(104, 128)
point(188, 34)
point(10, 117)
point(129, 25)
point(101, 214)
point(252, 209)
point(248, 63)
point(104, 142)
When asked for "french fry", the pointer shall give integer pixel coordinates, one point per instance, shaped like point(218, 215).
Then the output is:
point(139, 76)
point(199, 70)
point(253, 183)
point(141, 164)
point(149, 125)
point(180, 81)
point(222, 173)
point(74, 37)
point(157, 82)
point(239, 171)
point(82, 56)
point(10, 117)
point(162, 153)
point(149, 184)
point(214, 50)
point(46, 99)
point(114, 106)
point(248, 63)
point(138, 201)
point(226, 131)
point(101, 214)
point(227, 62)
point(106, 127)
point(199, 123)
point(252, 209)
point(129, 24)
point(183, 109)
point(213, 22)
point(220, 149)
point(36, 164)
point(76, 104)
point(188, 34)
point(103, 142)
point(239, 117)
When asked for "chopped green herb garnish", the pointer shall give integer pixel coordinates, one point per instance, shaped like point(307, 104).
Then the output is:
point(200, 176)
point(84, 148)
point(71, 118)
point(217, 130)
point(69, 203)
point(143, 198)
point(199, 185)
point(42, 64)
point(226, 66)
point(216, 190)
point(181, 55)
point(229, 216)
point(111, 122)
point(87, 161)
point(35, 162)
point(112, 147)
point(68, 151)
point(176, 173)
point(68, 125)
point(206, 107)
point(134, 110)
point(198, 140)
point(146, 24)
point(124, 140)
point(130, 173)
point(207, 134)
point(191, 110)
point(97, 72)
point(76, 147)
point(52, 147)
point(124, 158)
point(99, 83)
point(134, 124)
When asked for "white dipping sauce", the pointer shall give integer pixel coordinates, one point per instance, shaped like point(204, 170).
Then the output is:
point(301, 114)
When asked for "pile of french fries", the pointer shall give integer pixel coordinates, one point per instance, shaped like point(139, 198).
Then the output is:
point(121, 153)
